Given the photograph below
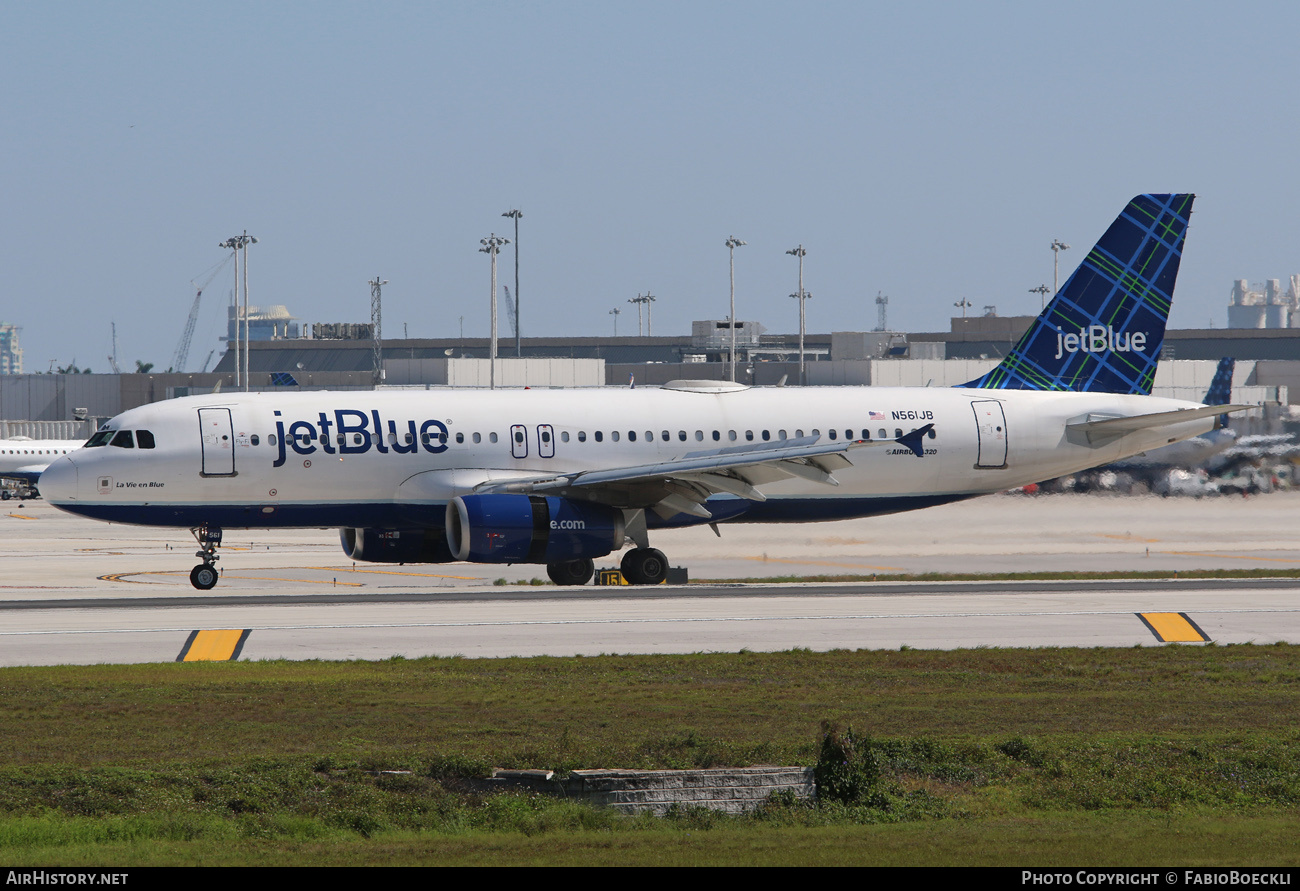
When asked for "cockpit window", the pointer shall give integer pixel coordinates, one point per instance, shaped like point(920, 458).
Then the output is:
point(144, 439)
point(99, 439)
point(123, 440)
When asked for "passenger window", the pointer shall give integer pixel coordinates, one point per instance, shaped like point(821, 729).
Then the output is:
point(564, 436)
point(650, 436)
point(600, 437)
point(582, 436)
point(460, 437)
point(681, 434)
point(123, 440)
point(357, 439)
point(898, 433)
point(519, 436)
point(478, 437)
point(749, 435)
point(866, 434)
point(931, 433)
point(145, 439)
point(699, 436)
point(766, 436)
point(631, 436)
point(831, 433)
point(546, 436)
point(731, 435)
point(798, 434)
point(492, 437)
point(614, 435)
point(883, 434)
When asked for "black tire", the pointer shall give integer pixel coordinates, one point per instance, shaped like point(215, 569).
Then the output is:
point(4, 494)
point(571, 572)
point(204, 577)
point(644, 566)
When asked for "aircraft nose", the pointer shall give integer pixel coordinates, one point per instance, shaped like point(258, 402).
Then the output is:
point(58, 482)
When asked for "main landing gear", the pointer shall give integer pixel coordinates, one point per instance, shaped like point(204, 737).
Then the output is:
point(640, 566)
point(571, 572)
point(205, 575)
point(644, 566)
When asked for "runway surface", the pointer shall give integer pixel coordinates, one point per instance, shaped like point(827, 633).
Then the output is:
point(292, 595)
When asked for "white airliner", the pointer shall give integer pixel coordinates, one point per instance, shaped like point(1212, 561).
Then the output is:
point(24, 459)
point(565, 476)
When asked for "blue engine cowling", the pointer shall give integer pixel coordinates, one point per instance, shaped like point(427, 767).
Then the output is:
point(530, 529)
point(396, 545)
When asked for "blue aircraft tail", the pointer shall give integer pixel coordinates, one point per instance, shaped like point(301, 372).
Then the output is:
point(1103, 330)
point(1220, 392)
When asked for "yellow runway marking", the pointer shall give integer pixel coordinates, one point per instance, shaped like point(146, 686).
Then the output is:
point(213, 646)
point(423, 575)
point(1230, 556)
point(234, 574)
point(823, 563)
point(21, 517)
point(1173, 627)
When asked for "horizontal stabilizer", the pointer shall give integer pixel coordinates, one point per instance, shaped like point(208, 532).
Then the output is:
point(1097, 429)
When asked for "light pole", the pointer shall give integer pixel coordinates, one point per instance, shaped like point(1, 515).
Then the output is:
point(732, 243)
point(237, 243)
point(645, 299)
point(1057, 247)
point(638, 301)
point(376, 328)
point(800, 253)
point(517, 215)
point(233, 244)
point(1041, 291)
point(963, 303)
point(615, 313)
point(491, 246)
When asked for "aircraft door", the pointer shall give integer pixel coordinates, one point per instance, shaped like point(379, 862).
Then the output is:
point(991, 430)
point(545, 441)
point(519, 441)
point(218, 442)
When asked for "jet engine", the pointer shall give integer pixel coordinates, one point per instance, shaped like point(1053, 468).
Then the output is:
point(530, 529)
point(395, 545)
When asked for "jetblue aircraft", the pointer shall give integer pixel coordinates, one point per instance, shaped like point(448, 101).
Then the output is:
point(561, 477)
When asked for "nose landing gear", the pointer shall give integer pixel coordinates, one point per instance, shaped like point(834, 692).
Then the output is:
point(205, 575)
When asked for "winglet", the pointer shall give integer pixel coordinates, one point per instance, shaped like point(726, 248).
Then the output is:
point(1103, 330)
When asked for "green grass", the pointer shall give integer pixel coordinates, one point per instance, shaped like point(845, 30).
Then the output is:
point(1144, 755)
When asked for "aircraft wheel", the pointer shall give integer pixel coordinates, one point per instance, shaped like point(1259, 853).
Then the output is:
point(204, 577)
point(644, 566)
point(571, 572)
point(4, 494)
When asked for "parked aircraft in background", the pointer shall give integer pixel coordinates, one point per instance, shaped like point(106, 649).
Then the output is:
point(562, 477)
point(23, 459)
point(1193, 453)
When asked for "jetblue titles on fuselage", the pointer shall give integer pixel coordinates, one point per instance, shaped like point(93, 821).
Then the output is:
point(353, 435)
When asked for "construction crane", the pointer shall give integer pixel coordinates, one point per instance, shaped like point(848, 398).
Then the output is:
point(183, 348)
point(510, 307)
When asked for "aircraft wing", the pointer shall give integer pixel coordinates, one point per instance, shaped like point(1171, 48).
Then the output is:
point(1100, 429)
point(683, 485)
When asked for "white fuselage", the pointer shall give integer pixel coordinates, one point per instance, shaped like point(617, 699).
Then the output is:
point(379, 459)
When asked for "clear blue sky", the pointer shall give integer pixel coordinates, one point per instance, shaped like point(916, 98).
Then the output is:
point(931, 151)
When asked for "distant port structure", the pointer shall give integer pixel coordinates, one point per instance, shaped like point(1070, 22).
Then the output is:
point(280, 351)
